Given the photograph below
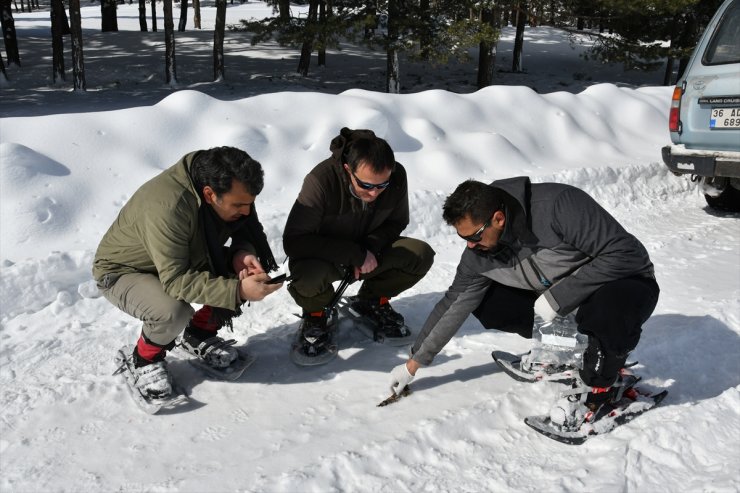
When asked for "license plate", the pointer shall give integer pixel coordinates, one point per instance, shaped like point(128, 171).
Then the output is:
point(722, 118)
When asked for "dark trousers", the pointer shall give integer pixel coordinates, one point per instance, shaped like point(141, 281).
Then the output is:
point(400, 266)
point(612, 317)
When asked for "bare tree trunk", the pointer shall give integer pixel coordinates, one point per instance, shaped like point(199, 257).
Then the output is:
point(218, 40)
point(393, 77)
point(8, 28)
point(2, 67)
point(668, 75)
point(393, 71)
point(486, 53)
point(142, 16)
point(425, 37)
point(78, 63)
point(521, 18)
point(169, 43)
point(308, 37)
point(322, 33)
point(109, 16)
point(57, 41)
point(154, 16)
point(284, 9)
point(183, 15)
point(65, 21)
point(196, 14)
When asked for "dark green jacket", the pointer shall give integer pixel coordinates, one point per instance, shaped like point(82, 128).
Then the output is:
point(329, 223)
point(158, 231)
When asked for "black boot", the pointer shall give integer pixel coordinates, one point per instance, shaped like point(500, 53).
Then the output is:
point(600, 367)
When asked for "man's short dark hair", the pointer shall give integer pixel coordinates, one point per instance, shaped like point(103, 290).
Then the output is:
point(218, 167)
point(474, 199)
point(363, 147)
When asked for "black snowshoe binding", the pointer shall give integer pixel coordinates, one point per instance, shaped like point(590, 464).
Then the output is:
point(583, 412)
point(315, 342)
point(377, 320)
point(216, 356)
point(150, 385)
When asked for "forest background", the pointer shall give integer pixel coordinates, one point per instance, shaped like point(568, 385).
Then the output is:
point(640, 34)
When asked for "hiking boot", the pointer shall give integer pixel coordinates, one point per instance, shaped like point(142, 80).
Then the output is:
point(212, 349)
point(379, 312)
point(151, 377)
point(314, 334)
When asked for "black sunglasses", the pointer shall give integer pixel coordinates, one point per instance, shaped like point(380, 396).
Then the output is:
point(369, 186)
point(478, 235)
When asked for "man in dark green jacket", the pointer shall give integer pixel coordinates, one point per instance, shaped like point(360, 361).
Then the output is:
point(349, 215)
point(166, 250)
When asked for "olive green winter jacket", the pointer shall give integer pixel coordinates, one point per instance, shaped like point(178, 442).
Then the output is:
point(158, 231)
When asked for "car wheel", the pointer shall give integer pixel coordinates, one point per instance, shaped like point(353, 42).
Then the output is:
point(728, 200)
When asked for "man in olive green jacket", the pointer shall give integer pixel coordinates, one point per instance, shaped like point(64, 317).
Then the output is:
point(349, 216)
point(166, 250)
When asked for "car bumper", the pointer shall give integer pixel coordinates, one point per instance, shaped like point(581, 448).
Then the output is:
point(698, 162)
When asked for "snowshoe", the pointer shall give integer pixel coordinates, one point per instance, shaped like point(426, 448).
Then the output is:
point(134, 378)
point(573, 421)
point(316, 341)
point(512, 365)
point(380, 322)
point(523, 371)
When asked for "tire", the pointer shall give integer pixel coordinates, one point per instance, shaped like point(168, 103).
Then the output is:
point(728, 200)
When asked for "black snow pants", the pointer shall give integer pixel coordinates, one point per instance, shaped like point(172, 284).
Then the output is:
point(612, 317)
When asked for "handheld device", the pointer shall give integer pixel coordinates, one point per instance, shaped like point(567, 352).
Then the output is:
point(279, 279)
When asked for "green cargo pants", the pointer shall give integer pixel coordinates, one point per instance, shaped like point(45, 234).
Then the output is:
point(400, 266)
point(142, 296)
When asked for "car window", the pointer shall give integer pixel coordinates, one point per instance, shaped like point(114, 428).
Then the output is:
point(725, 44)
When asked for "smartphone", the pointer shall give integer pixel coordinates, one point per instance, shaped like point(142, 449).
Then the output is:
point(278, 279)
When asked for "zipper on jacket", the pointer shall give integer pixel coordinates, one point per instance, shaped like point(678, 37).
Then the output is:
point(543, 280)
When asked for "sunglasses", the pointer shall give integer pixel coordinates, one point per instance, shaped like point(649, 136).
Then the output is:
point(369, 186)
point(478, 235)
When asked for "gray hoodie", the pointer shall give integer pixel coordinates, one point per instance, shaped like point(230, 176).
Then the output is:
point(557, 240)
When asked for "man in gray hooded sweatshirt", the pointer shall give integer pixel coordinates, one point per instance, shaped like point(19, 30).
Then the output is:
point(543, 250)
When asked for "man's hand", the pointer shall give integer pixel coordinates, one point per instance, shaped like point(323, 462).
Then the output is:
point(368, 266)
point(543, 309)
point(252, 287)
point(402, 375)
point(244, 260)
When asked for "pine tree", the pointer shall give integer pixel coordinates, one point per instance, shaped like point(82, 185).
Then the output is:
point(169, 43)
point(78, 64)
point(9, 36)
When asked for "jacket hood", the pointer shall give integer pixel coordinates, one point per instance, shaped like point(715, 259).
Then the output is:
point(517, 195)
point(186, 179)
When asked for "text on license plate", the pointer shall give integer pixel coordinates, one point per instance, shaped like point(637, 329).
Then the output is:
point(724, 118)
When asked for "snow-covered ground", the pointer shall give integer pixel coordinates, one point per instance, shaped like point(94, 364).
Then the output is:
point(68, 425)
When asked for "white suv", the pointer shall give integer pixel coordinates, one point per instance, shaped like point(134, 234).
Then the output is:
point(704, 119)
